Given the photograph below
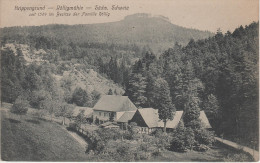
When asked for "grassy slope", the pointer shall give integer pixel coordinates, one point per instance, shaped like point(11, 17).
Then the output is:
point(31, 140)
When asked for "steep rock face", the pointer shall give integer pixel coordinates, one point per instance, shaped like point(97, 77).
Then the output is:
point(89, 80)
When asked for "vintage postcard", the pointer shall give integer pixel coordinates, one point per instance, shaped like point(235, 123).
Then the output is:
point(129, 80)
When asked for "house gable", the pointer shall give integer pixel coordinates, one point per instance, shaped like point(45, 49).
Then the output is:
point(138, 119)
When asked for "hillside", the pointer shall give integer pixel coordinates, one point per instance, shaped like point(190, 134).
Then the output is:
point(135, 30)
point(27, 139)
point(63, 77)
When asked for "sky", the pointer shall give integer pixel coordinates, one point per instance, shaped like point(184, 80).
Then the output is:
point(199, 14)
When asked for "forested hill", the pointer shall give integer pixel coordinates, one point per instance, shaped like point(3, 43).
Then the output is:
point(135, 30)
point(218, 75)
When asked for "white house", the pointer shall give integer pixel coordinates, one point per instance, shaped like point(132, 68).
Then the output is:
point(112, 106)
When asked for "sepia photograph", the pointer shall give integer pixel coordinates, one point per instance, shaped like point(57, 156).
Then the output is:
point(129, 80)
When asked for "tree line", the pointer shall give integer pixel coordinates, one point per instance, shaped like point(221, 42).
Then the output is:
point(218, 75)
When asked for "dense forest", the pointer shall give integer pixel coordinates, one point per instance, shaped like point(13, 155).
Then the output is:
point(218, 74)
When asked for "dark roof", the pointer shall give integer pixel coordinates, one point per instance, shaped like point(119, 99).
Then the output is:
point(114, 103)
point(126, 117)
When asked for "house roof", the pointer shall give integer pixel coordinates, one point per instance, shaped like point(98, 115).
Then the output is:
point(151, 118)
point(87, 111)
point(126, 117)
point(114, 103)
point(173, 123)
point(204, 119)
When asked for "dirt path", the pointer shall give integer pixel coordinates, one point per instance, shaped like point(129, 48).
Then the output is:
point(252, 152)
point(79, 139)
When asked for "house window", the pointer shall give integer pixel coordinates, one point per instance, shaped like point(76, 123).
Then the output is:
point(105, 114)
point(99, 113)
point(109, 114)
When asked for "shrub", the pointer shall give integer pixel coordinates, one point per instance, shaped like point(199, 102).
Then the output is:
point(117, 151)
point(127, 135)
point(72, 126)
point(183, 139)
point(20, 106)
point(141, 155)
point(191, 138)
point(157, 133)
point(157, 153)
point(99, 138)
point(132, 127)
point(163, 139)
point(178, 144)
point(124, 152)
point(201, 148)
point(204, 137)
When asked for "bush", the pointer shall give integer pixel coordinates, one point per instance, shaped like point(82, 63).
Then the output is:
point(127, 135)
point(141, 155)
point(204, 137)
point(178, 144)
point(117, 151)
point(183, 139)
point(201, 148)
point(99, 138)
point(132, 127)
point(157, 133)
point(20, 106)
point(39, 113)
point(163, 139)
point(186, 138)
point(72, 126)
point(157, 153)
point(124, 152)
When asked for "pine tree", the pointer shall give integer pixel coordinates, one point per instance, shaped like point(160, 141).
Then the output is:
point(163, 101)
point(136, 89)
point(192, 113)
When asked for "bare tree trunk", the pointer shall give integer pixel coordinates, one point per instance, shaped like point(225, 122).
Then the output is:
point(164, 127)
point(63, 123)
